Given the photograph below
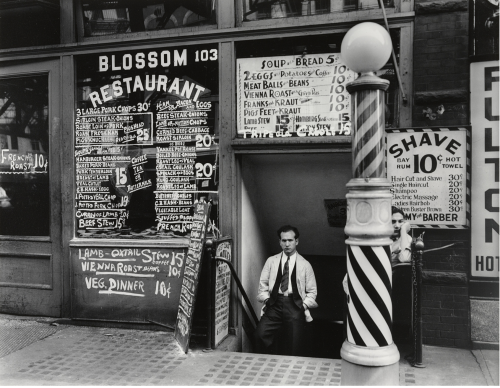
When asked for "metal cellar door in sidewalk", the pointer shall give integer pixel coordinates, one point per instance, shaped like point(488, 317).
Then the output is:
point(30, 199)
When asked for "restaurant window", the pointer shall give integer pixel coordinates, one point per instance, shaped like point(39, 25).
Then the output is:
point(108, 17)
point(24, 156)
point(267, 9)
point(26, 23)
point(146, 141)
point(296, 87)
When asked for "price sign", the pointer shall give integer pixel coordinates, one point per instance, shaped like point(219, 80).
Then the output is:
point(430, 174)
point(299, 95)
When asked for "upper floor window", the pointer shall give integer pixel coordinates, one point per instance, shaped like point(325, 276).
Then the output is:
point(266, 9)
point(26, 23)
point(108, 17)
point(485, 27)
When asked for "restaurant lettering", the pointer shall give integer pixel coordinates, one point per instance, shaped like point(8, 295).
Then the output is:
point(141, 167)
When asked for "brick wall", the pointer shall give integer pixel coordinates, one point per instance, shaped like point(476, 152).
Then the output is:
point(441, 78)
point(440, 63)
point(445, 298)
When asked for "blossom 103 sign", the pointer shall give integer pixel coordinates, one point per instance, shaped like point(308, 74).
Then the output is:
point(429, 169)
point(293, 96)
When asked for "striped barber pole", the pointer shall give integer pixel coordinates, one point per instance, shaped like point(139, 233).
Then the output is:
point(368, 137)
point(369, 316)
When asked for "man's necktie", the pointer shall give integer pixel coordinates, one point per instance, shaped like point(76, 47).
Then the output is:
point(284, 279)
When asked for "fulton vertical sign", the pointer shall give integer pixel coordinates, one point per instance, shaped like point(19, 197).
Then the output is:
point(485, 166)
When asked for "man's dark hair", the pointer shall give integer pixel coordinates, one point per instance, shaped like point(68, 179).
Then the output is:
point(288, 228)
point(398, 210)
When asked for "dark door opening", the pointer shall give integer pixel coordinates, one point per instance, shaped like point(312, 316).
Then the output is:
point(279, 189)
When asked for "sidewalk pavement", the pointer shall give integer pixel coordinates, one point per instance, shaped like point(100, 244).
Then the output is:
point(40, 352)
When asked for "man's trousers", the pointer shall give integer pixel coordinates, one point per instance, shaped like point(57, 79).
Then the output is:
point(284, 320)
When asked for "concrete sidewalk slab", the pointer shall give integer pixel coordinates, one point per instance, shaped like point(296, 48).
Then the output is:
point(449, 367)
point(488, 362)
point(82, 355)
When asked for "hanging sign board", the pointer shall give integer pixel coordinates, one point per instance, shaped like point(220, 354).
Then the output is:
point(485, 187)
point(120, 283)
point(430, 174)
point(336, 212)
point(191, 275)
point(222, 291)
point(295, 95)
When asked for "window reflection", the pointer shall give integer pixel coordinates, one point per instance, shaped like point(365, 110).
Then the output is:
point(24, 157)
point(265, 9)
point(103, 17)
point(146, 141)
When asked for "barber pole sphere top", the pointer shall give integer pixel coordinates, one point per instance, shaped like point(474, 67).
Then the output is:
point(366, 47)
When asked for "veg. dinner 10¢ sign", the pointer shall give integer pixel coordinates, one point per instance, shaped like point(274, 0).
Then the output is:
point(429, 169)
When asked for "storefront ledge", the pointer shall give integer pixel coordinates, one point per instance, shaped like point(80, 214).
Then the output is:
point(485, 345)
point(338, 143)
point(93, 242)
point(432, 7)
point(444, 278)
point(440, 96)
point(229, 344)
point(110, 324)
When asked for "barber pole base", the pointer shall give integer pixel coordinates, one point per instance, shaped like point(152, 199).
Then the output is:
point(360, 375)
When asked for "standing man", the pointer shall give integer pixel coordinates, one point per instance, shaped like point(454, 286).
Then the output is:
point(288, 290)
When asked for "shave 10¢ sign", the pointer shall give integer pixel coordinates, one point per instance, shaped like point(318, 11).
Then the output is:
point(429, 169)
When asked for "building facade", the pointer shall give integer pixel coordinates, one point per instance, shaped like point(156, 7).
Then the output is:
point(116, 118)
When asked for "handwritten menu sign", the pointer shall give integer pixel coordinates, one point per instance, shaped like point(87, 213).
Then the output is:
point(222, 291)
point(145, 143)
point(128, 283)
point(429, 172)
point(191, 275)
point(293, 96)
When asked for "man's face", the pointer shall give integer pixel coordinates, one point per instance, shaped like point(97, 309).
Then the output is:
point(397, 222)
point(288, 242)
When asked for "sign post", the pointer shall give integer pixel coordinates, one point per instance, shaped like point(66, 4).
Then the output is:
point(192, 271)
point(222, 293)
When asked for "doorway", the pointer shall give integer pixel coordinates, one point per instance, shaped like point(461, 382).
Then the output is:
point(291, 188)
point(30, 192)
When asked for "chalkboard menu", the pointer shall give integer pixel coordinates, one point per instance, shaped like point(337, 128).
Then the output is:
point(191, 275)
point(146, 141)
point(126, 283)
point(298, 95)
point(429, 169)
point(222, 291)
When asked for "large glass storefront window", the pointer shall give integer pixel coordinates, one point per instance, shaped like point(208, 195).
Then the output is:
point(146, 135)
point(24, 156)
point(106, 17)
point(296, 87)
point(266, 9)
